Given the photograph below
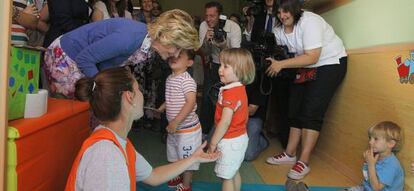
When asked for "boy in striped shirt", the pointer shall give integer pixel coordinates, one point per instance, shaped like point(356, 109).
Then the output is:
point(184, 129)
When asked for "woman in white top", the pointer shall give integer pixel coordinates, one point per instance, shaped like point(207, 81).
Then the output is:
point(321, 62)
point(106, 9)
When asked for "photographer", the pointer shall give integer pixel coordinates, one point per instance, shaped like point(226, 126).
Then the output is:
point(215, 35)
point(321, 61)
point(260, 23)
point(259, 18)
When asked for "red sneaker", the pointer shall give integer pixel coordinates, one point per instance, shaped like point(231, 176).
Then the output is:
point(281, 158)
point(175, 181)
point(181, 187)
point(298, 171)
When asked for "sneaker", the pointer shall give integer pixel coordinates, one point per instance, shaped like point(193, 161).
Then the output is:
point(181, 187)
point(298, 171)
point(175, 181)
point(282, 158)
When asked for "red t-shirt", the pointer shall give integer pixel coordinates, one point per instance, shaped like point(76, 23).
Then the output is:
point(234, 97)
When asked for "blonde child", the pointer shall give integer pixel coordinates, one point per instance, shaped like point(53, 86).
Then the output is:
point(184, 129)
point(412, 167)
point(381, 169)
point(230, 137)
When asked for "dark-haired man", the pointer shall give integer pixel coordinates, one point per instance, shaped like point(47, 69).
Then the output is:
point(211, 48)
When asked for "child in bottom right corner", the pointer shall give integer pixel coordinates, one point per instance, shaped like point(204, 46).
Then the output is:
point(382, 169)
point(412, 167)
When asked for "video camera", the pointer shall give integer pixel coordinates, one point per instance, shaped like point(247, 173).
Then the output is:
point(219, 33)
point(266, 47)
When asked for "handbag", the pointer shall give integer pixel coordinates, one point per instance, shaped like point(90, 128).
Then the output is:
point(305, 75)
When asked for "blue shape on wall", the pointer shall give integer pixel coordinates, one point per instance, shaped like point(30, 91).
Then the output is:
point(11, 81)
point(21, 88)
point(31, 88)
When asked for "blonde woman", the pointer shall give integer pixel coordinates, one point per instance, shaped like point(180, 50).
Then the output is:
point(110, 43)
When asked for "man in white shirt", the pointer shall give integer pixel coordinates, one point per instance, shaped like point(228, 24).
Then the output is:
point(211, 48)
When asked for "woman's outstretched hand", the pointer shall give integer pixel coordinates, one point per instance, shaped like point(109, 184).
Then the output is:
point(204, 157)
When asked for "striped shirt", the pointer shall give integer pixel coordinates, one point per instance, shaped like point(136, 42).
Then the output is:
point(175, 89)
point(18, 32)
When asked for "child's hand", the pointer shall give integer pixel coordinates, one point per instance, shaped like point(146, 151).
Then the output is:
point(172, 127)
point(32, 10)
point(212, 148)
point(203, 157)
point(370, 158)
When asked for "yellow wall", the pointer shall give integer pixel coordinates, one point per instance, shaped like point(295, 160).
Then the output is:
point(365, 23)
point(370, 93)
point(374, 33)
point(4, 57)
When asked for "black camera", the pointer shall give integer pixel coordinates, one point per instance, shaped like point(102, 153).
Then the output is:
point(266, 47)
point(219, 33)
point(255, 7)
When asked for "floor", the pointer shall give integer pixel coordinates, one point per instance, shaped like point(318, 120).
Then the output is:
point(256, 172)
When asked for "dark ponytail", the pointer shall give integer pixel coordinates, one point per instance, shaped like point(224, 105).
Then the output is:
point(83, 89)
point(104, 92)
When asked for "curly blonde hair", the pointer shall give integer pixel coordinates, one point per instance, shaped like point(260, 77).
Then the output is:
point(175, 28)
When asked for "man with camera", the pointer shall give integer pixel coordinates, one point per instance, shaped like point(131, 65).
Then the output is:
point(216, 33)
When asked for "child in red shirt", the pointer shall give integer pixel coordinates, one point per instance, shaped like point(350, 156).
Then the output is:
point(236, 70)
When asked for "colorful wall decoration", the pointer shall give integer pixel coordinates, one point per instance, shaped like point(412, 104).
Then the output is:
point(23, 79)
point(406, 68)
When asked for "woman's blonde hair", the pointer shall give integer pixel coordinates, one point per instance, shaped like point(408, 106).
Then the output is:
point(388, 130)
point(242, 62)
point(175, 28)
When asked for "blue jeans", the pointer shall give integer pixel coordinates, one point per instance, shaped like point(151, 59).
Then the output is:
point(257, 141)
